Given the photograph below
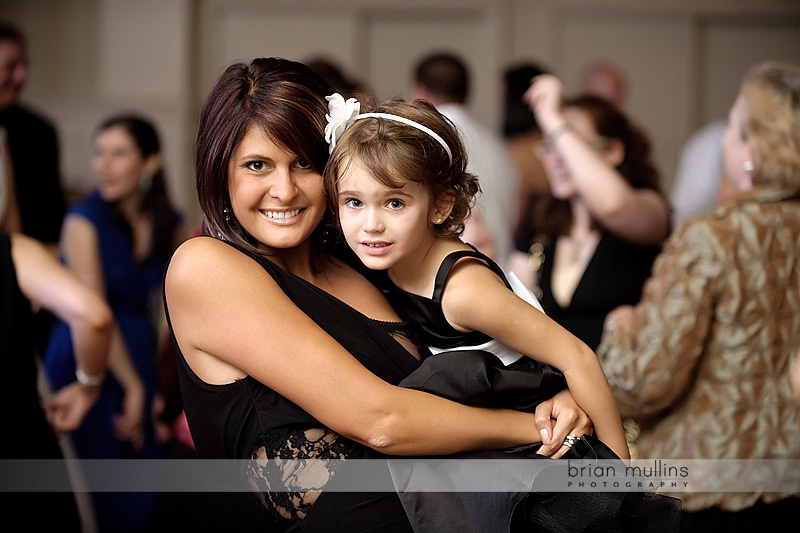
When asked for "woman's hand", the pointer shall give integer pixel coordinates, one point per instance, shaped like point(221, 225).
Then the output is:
point(569, 420)
point(129, 424)
point(621, 316)
point(545, 97)
point(794, 374)
point(66, 409)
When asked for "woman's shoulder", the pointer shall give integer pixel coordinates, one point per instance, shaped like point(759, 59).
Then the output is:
point(204, 259)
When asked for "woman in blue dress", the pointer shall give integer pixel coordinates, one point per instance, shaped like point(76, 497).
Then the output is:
point(118, 240)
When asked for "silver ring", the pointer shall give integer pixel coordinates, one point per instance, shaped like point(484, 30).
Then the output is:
point(570, 440)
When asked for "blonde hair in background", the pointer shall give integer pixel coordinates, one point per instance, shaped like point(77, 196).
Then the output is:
point(771, 123)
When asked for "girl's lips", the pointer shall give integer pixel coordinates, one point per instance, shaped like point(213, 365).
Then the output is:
point(375, 248)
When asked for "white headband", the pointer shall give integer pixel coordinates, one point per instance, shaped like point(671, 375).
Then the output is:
point(343, 113)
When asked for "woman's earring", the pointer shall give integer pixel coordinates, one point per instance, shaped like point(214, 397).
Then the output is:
point(145, 183)
point(226, 212)
point(747, 166)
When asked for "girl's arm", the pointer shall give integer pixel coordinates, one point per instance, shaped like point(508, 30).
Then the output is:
point(509, 319)
point(640, 216)
point(48, 284)
point(231, 319)
point(81, 251)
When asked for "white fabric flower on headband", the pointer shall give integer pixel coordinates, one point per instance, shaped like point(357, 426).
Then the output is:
point(341, 114)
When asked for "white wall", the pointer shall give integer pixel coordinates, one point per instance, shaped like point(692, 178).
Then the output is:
point(683, 58)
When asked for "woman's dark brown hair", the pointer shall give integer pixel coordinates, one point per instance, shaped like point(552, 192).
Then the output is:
point(286, 100)
point(156, 202)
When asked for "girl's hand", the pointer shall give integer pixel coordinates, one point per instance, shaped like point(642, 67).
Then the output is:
point(569, 420)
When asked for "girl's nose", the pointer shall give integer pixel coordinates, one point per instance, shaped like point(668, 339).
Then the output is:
point(373, 221)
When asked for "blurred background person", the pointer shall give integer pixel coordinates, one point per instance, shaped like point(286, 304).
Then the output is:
point(30, 277)
point(118, 240)
point(522, 133)
point(593, 240)
point(442, 79)
point(34, 201)
point(606, 80)
point(33, 152)
point(342, 83)
point(697, 186)
point(701, 363)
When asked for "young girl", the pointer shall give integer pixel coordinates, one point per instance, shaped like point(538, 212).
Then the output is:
point(397, 176)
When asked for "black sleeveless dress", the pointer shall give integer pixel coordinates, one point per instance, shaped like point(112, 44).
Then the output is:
point(246, 420)
point(614, 276)
point(470, 377)
point(28, 434)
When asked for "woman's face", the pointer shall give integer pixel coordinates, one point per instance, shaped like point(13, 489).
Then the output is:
point(118, 164)
point(558, 176)
point(737, 154)
point(276, 196)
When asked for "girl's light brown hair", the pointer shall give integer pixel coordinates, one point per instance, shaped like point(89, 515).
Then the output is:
point(394, 153)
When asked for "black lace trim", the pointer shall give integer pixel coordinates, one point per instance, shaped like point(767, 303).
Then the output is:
point(288, 458)
point(405, 335)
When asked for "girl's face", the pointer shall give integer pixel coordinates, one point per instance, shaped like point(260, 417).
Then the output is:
point(118, 164)
point(276, 196)
point(736, 150)
point(385, 227)
point(558, 175)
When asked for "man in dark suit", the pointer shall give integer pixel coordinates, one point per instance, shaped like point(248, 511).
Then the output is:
point(34, 195)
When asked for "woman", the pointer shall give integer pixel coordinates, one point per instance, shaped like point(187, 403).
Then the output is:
point(31, 277)
point(118, 240)
point(593, 242)
point(261, 376)
point(701, 362)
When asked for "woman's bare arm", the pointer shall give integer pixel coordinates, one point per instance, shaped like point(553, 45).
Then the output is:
point(48, 284)
point(231, 319)
point(81, 250)
point(640, 216)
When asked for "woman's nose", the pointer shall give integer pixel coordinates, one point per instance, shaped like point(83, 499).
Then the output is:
point(283, 185)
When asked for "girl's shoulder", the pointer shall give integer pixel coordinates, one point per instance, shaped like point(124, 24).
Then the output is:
point(466, 256)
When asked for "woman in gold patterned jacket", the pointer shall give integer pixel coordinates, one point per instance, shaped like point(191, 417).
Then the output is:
point(702, 363)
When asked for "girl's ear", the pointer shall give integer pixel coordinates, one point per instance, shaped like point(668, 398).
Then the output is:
point(442, 208)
